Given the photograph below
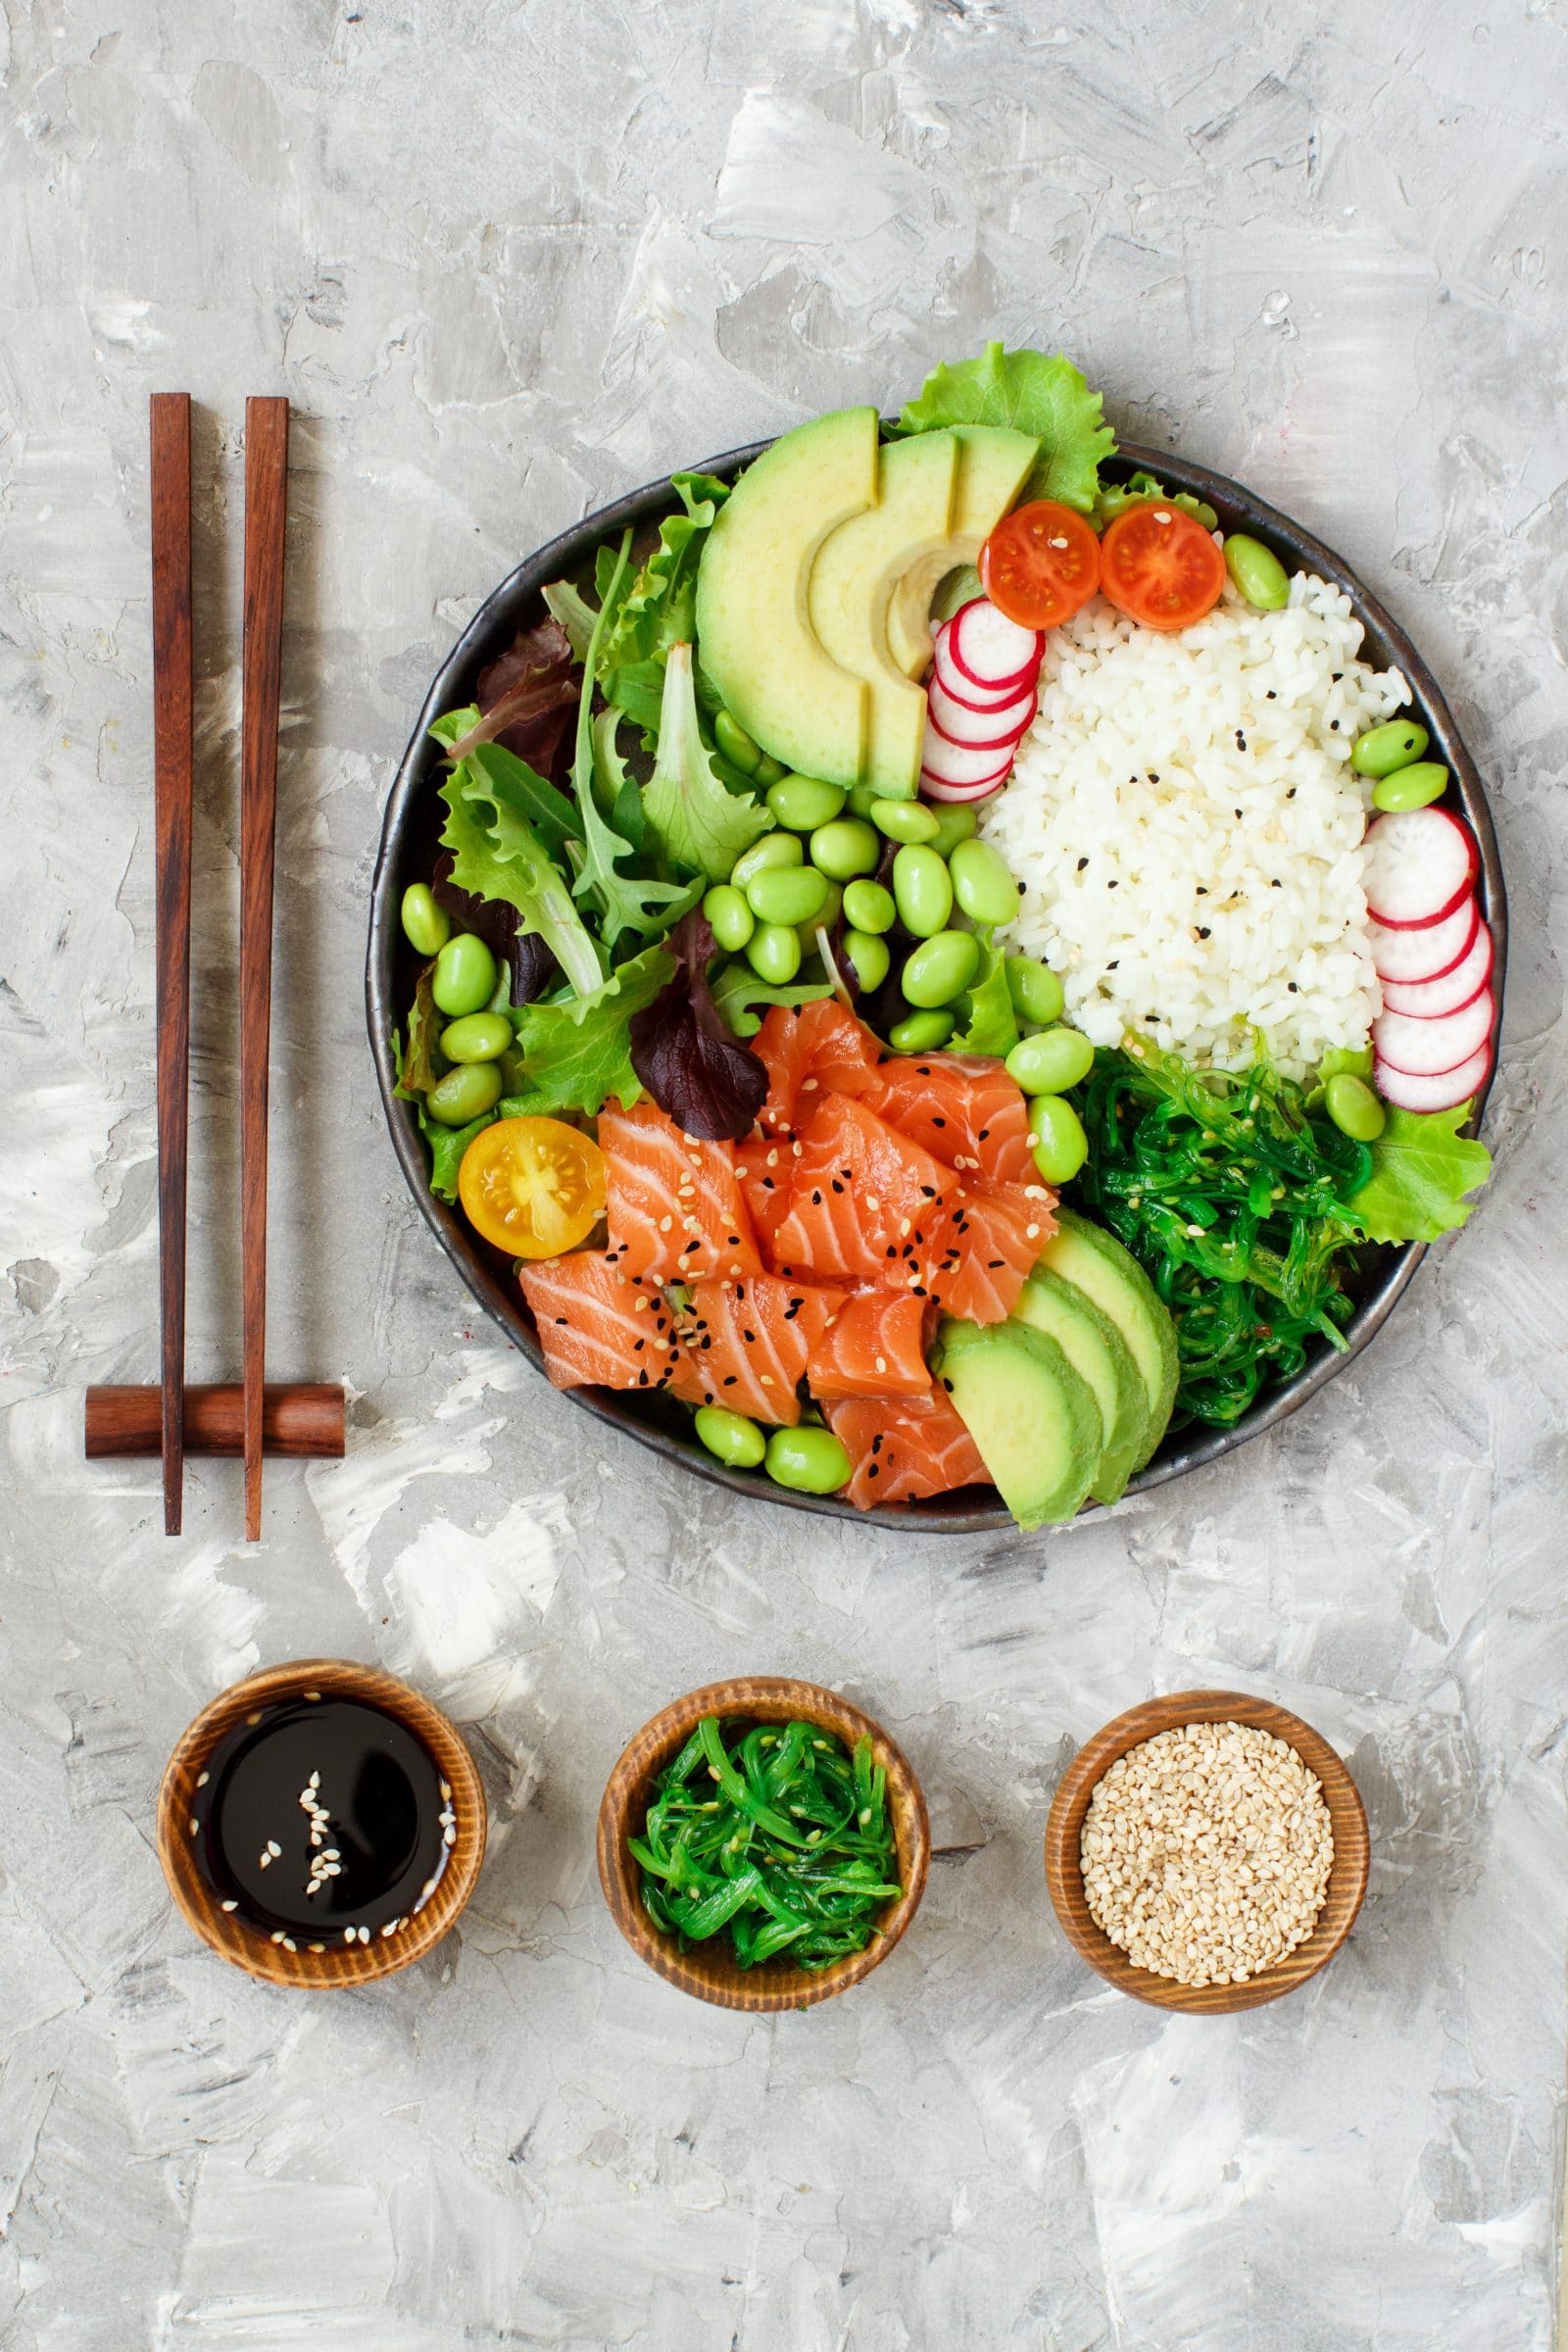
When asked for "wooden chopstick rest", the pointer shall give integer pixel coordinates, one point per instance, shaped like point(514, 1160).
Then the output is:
point(302, 1420)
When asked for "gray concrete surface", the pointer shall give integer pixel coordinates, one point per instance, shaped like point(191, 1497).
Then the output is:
point(508, 259)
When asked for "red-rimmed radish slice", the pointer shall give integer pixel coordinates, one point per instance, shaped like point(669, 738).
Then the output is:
point(1425, 1049)
point(1448, 992)
point(959, 723)
point(1420, 864)
point(1428, 950)
point(989, 648)
point(1442, 1093)
point(974, 698)
point(963, 763)
point(933, 789)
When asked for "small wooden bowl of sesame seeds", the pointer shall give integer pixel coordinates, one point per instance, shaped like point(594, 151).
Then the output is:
point(1206, 1852)
point(320, 1824)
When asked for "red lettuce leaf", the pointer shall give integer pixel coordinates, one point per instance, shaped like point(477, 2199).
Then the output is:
point(533, 968)
point(527, 697)
point(711, 1086)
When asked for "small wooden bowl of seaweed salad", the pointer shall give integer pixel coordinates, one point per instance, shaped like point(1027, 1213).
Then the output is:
point(762, 1843)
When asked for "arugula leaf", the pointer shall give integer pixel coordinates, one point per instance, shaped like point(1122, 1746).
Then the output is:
point(498, 855)
point(992, 1027)
point(577, 1056)
point(696, 821)
point(1421, 1169)
point(1046, 397)
point(737, 992)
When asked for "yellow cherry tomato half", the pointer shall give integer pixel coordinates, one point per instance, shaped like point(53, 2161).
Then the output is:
point(534, 1186)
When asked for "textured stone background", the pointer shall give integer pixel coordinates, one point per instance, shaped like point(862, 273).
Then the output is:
point(507, 261)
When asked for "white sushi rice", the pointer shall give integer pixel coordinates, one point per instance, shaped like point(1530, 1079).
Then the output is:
point(1187, 828)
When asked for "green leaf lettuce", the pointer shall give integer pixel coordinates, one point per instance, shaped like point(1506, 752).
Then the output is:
point(1035, 394)
point(1421, 1169)
point(701, 826)
point(577, 1056)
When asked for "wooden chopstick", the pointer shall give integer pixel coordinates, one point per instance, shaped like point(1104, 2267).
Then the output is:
point(261, 658)
point(170, 436)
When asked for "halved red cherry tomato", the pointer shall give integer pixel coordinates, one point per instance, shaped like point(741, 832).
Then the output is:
point(1160, 568)
point(1040, 563)
point(534, 1186)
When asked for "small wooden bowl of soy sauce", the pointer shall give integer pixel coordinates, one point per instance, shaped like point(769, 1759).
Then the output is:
point(320, 1824)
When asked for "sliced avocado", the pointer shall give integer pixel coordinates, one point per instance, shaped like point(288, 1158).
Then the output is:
point(993, 463)
point(1087, 1255)
point(1032, 1416)
point(758, 649)
point(1094, 1346)
point(857, 569)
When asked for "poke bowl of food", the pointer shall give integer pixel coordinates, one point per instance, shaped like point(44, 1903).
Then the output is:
point(938, 967)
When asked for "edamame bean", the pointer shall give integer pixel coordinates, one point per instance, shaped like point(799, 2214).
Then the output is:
point(426, 925)
point(736, 745)
point(774, 849)
point(1414, 787)
point(1354, 1108)
point(1258, 572)
point(463, 1094)
point(940, 969)
point(845, 848)
point(864, 798)
point(478, 1037)
point(922, 890)
point(811, 1460)
point(870, 958)
point(868, 906)
point(787, 894)
point(904, 821)
point(730, 1437)
point(922, 1033)
point(982, 883)
point(729, 917)
point(1060, 1143)
point(1047, 1064)
point(1036, 992)
point(774, 952)
point(803, 802)
point(769, 771)
point(826, 916)
point(954, 824)
point(1396, 744)
point(465, 977)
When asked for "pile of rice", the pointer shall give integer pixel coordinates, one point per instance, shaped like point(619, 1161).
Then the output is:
point(1187, 828)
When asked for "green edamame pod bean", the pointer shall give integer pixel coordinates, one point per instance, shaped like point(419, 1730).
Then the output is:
point(904, 821)
point(463, 1094)
point(730, 1437)
point(478, 1037)
point(870, 958)
point(1036, 992)
point(736, 745)
point(774, 952)
point(982, 883)
point(922, 890)
point(1047, 1064)
point(1059, 1143)
point(811, 1460)
point(940, 969)
point(845, 848)
point(954, 824)
point(465, 977)
point(729, 918)
point(922, 1033)
point(787, 894)
point(1354, 1108)
point(803, 802)
point(769, 771)
point(1414, 787)
point(826, 916)
point(774, 849)
point(868, 906)
point(1382, 749)
point(426, 924)
point(1258, 572)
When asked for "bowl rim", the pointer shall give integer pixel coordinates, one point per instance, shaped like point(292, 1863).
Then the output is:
point(1348, 1877)
point(339, 1964)
point(777, 1698)
point(502, 613)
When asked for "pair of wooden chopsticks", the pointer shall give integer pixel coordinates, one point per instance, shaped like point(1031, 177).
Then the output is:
point(262, 651)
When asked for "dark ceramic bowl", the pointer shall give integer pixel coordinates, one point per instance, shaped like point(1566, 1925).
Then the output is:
point(408, 849)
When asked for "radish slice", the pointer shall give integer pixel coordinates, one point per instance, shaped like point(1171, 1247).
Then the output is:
point(959, 725)
point(933, 789)
point(1419, 865)
point(963, 763)
point(989, 648)
point(1425, 1049)
point(1429, 951)
point(1446, 991)
point(1442, 1093)
point(973, 698)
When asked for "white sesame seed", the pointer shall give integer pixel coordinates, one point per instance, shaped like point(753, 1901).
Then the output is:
point(228, 1905)
point(202, 1779)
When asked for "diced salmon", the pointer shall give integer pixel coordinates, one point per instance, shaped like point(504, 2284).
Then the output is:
point(862, 1198)
point(981, 1254)
point(962, 1107)
point(765, 1167)
point(746, 1344)
point(874, 1347)
point(674, 1206)
point(597, 1326)
point(820, 1050)
point(905, 1448)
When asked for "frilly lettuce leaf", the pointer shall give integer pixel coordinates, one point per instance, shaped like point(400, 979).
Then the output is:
point(1421, 1169)
point(989, 1024)
point(577, 1054)
point(701, 826)
point(493, 801)
point(1046, 397)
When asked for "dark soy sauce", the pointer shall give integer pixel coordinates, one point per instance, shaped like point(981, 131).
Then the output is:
point(323, 1821)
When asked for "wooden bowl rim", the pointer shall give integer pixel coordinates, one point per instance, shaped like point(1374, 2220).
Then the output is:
point(764, 1698)
point(248, 1947)
point(1347, 1879)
